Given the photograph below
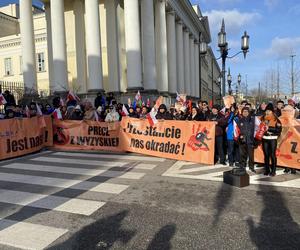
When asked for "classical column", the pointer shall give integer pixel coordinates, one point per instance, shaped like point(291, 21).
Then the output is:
point(180, 57)
point(148, 45)
point(172, 55)
point(49, 47)
point(28, 46)
point(112, 45)
point(59, 46)
point(187, 71)
point(133, 44)
point(197, 69)
point(81, 76)
point(93, 46)
point(192, 66)
point(161, 45)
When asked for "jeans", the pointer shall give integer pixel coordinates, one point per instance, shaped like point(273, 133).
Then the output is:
point(219, 153)
point(233, 152)
point(246, 151)
point(269, 148)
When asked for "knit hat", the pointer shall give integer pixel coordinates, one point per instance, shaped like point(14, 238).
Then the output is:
point(270, 107)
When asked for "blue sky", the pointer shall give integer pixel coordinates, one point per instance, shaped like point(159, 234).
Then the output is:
point(273, 26)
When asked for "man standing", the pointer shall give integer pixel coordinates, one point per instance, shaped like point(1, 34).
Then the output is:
point(246, 139)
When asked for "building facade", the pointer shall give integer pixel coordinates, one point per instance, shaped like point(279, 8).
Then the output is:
point(118, 46)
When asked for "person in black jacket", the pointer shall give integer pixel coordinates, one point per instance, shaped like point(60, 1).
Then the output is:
point(270, 138)
point(246, 125)
point(220, 125)
point(196, 115)
point(163, 114)
point(132, 113)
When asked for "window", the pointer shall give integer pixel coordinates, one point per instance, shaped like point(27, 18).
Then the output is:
point(21, 65)
point(8, 67)
point(40, 62)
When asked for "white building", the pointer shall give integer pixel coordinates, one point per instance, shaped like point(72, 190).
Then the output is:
point(112, 45)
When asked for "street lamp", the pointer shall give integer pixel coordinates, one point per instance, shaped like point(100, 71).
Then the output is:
point(238, 86)
point(223, 45)
point(229, 81)
point(202, 52)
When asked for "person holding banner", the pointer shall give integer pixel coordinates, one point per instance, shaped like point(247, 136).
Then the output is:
point(269, 141)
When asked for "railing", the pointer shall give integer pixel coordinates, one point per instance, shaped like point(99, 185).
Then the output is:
point(15, 88)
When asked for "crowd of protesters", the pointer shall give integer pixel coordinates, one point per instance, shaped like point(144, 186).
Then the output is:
point(239, 149)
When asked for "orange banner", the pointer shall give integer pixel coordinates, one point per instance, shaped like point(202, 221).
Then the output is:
point(180, 140)
point(23, 136)
point(288, 152)
point(86, 135)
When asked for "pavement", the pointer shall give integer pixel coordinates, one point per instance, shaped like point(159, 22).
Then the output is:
point(83, 200)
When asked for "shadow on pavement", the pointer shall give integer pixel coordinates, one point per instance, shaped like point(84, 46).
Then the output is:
point(162, 239)
point(222, 199)
point(276, 228)
point(101, 234)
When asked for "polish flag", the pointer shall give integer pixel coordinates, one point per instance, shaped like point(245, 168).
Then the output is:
point(27, 112)
point(236, 131)
point(2, 100)
point(138, 96)
point(71, 96)
point(260, 129)
point(96, 116)
point(61, 102)
point(151, 117)
point(38, 110)
point(158, 102)
point(148, 103)
point(223, 110)
point(129, 102)
point(124, 111)
point(57, 114)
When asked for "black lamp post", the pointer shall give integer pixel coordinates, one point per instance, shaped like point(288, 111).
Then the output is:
point(229, 81)
point(223, 45)
point(202, 52)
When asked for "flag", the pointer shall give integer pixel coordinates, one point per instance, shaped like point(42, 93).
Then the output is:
point(27, 112)
point(124, 111)
point(2, 100)
point(71, 96)
point(57, 114)
point(236, 131)
point(148, 103)
point(96, 116)
point(158, 102)
point(129, 102)
point(61, 102)
point(189, 104)
point(138, 96)
point(38, 110)
point(151, 117)
point(223, 111)
point(260, 129)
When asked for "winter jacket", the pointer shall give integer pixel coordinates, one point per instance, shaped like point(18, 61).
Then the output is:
point(221, 123)
point(197, 117)
point(246, 126)
point(230, 127)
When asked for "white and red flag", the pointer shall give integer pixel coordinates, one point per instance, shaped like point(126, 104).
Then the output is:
point(236, 131)
point(57, 114)
point(151, 117)
point(148, 103)
point(96, 116)
point(61, 102)
point(27, 112)
point(71, 96)
point(124, 111)
point(138, 96)
point(2, 100)
point(38, 110)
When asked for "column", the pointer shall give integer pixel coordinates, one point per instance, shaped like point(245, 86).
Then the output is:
point(81, 77)
point(28, 46)
point(112, 45)
point(93, 46)
point(133, 44)
point(197, 70)
point(49, 47)
point(161, 45)
point(172, 55)
point(59, 46)
point(192, 66)
point(187, 73)
point(148, 45)
point(180, 57)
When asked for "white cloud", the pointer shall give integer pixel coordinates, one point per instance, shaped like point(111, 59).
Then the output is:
point(283, 47)
point(271, 4)
point(234, 20)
